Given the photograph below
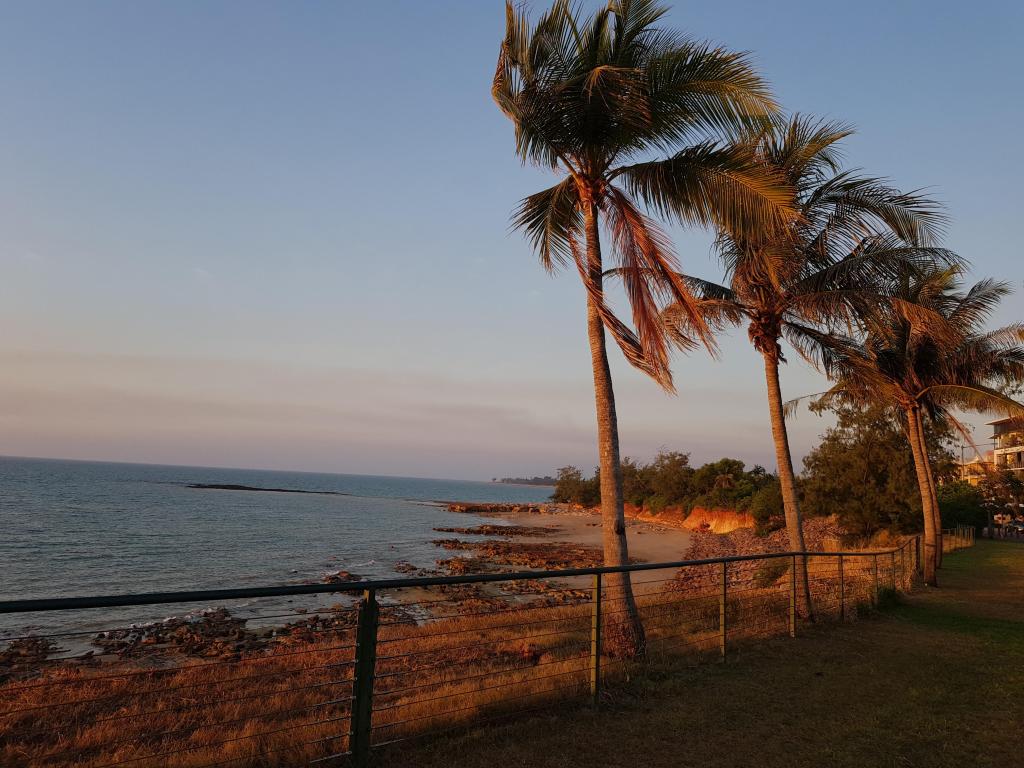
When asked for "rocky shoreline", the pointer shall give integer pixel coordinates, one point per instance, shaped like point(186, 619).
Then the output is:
point(216, 634)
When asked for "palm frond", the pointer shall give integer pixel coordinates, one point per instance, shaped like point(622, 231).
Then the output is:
point(713, 186)
point(791, 407)
point(550, 218)
point(627, 341)
point(973, 398)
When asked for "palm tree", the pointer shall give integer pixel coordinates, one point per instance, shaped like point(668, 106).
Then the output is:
point(925, 353)
point(598, 100)
point(852, 231)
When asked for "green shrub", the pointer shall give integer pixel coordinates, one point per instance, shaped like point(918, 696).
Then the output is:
point(767, 509)
point(889, 598)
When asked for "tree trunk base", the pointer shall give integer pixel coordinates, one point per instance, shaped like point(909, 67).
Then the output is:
point(624, 638)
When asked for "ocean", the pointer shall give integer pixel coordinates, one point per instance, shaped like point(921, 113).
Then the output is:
point(70, 528)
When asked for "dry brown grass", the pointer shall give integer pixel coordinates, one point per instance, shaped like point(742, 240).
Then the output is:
point(289, 703)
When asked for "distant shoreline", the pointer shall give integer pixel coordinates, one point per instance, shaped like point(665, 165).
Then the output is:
point(543, 482)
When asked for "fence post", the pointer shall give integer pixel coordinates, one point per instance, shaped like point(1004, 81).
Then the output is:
point(792, 598)
point(875, 558)
point(842, 591)
point(903, 568)
point(893, 568)
point(722, 618)
point(360, 720)
point(917, 554)
point(595, 641)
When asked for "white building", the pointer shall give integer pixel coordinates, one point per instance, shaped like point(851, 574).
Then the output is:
point(1008, 436)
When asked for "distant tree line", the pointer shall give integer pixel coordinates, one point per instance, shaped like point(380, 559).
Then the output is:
point(546, 480)
point(862, 471)
point(670, 481)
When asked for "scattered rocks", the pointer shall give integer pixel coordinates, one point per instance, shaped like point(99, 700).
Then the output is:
point(539, 555)
point(819, 532)
point(20, 656)
point(462, 566)
point(553, 593)
point(342, 577)
point(213, 632)
point(499, 509)
point(501, 530)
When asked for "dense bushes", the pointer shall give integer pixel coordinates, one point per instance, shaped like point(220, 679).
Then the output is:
point(670, 481)
point(963, 504)
point(863, 472)
point(960, 503)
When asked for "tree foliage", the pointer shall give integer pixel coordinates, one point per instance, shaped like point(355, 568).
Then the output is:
point(1002, 491)
point(863, 472)
point(670, 481)
point(961, 503)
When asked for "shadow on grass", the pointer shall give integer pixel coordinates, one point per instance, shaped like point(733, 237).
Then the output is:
point(1006, 632)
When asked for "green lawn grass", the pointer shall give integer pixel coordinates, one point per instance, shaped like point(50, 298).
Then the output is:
point(935, 681)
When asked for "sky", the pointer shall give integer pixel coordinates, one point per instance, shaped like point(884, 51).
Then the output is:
point(276, 235)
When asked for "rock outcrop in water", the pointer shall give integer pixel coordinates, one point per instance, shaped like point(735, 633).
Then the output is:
point(501, 508)
point(234, 487)
point(500, 530)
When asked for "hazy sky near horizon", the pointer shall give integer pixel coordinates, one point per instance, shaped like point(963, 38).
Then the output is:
point(269, 234)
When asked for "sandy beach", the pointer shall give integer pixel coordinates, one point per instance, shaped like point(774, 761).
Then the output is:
point(649, 542)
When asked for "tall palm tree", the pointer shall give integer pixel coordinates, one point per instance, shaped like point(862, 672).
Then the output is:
point(925, 353)
point(852, 231)
point(600, 100)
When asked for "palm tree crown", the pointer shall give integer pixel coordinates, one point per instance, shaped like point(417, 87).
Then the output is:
point(853, 235)
point(595, 99)
point(927, 347)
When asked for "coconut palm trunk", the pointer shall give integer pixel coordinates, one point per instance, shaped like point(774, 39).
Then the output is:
point(915, 437)
point(624, 633)
point(933, 497)
point(787, 479)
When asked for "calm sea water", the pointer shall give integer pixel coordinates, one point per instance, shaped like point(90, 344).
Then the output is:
point(83, 528)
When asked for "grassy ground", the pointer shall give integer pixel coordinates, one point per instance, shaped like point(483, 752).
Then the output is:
point(937, 681)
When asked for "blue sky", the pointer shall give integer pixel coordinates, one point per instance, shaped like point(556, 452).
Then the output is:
point(276, 234)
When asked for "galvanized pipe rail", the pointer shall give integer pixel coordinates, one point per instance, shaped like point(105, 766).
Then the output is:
point(196, 596)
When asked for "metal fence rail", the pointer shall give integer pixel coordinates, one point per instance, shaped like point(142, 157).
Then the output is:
point(394, 660)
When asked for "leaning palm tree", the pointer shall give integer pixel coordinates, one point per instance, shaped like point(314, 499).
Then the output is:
point(925, 353)
point(599, 100)
point(852, 232)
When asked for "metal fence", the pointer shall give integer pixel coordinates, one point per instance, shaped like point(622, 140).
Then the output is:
point(390, 661)
point(958, 537)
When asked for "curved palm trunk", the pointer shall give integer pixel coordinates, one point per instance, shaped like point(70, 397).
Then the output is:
point(787, 479)
point(624, 632)
point(915, 437)
point(933, 497)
